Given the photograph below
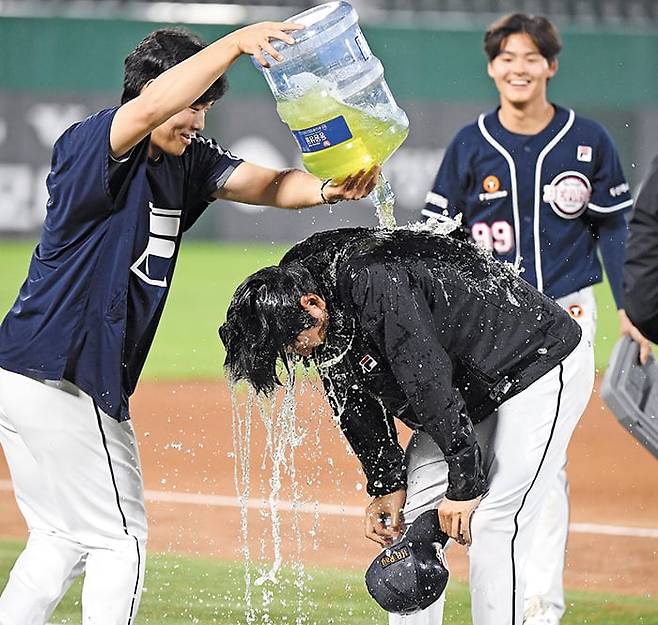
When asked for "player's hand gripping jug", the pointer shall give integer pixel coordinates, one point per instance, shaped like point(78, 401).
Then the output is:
point(331, 92)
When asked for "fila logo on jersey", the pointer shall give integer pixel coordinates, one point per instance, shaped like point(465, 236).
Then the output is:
point(153, 264)
point(568, 194)
point(584, 153)
point(368, 363)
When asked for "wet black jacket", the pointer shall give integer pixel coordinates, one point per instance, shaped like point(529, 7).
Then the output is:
point(429, 329)
point(641, 266)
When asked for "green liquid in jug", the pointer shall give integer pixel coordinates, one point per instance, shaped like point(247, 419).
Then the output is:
point(373, 140)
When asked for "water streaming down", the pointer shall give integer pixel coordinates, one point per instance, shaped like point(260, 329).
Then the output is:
point(384, 200)
point(241, 428)
point(283, 437)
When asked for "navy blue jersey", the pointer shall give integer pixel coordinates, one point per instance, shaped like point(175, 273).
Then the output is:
point(545, 202)
point(100, 274)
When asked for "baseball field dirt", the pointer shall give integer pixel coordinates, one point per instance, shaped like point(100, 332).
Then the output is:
point(187, 456)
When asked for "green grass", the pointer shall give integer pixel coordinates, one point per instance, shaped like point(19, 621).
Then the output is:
point(187, 345)
point(182, 590)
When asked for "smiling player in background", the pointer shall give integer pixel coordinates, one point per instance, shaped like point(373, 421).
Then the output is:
point(543, 188)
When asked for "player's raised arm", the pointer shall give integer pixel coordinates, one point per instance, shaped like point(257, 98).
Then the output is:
point(180, 86)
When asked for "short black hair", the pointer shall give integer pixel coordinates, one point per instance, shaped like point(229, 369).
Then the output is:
point(540, 29)
point(157, 53)
point(263, 319)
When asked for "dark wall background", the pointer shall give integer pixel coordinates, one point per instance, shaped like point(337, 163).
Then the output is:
point(55, 71)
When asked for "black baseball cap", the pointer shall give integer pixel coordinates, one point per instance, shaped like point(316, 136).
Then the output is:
point(411, 574)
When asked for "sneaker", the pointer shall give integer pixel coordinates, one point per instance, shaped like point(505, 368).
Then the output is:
point(537, 612)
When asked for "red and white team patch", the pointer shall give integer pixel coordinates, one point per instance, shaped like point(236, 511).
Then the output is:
point(584, 153)
point(568, 194)
point(368, 363)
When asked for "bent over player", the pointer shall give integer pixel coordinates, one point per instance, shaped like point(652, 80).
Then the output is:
point(543, 188)
point(125, 184)
point(432, 330)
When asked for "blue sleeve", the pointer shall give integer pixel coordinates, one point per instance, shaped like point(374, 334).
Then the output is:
point(612, 234)
point(78, 183)
point(211, 166)
point(610, 190)
point(447, 195)
point(609, 201)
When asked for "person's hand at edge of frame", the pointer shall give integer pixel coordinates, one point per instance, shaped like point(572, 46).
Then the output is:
point(455, 518)
point(255, 39)
point(383, 523)
point(627, 328)
point(354, 187)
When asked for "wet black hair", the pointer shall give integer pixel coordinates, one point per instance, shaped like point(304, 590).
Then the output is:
point(263, 319)
point(540, 29)
point(157, 53)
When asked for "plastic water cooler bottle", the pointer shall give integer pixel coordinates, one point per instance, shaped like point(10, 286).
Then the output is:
point(330, 91)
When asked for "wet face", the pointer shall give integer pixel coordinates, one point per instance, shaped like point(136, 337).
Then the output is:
point(176, 134)
point(520, 72)
point(307, 340)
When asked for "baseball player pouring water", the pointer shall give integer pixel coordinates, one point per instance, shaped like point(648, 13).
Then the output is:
point(125, 184)
point(543, 188)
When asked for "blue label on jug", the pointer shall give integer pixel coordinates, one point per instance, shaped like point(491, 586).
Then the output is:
point(323, 135)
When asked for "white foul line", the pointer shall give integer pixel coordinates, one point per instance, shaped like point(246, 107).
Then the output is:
point(326, 509)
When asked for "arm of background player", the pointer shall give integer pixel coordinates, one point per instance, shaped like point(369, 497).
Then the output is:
point(610, 199)
point(447, 195)
point(181, 85)
point(612, 233)
point(291, 188)
point(641, 266)
point(399, 320)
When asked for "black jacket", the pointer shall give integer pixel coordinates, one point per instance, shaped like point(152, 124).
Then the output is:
point(429, 329)
point(641, 266)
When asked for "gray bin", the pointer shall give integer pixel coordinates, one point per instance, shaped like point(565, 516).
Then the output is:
point(631, 392)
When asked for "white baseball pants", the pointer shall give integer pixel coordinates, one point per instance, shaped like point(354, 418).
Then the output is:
point(78, 483)
point(427, 482)
point(545, 569)
point(528, 448)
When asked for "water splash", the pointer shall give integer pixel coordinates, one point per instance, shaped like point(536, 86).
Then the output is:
point(442, 227)
point(241, 427)
point(383, 198)
point(283, 437)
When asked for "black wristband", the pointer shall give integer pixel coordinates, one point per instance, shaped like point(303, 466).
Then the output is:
point(324, 199)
